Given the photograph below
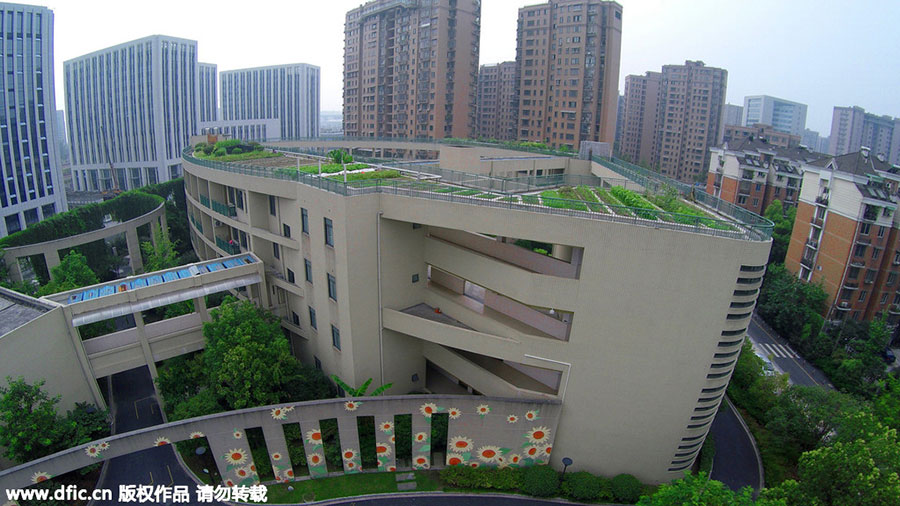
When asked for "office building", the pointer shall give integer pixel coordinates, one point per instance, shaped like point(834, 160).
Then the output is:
point(410, 68)
point(497, 105)
point(567, 53)
point(32, 186)
point(845, 236)
point(852, 129)
point(209, 109)
point(431, 291)
point(753, 172)
point(288, 93)
point(734, 115)
point(774, 137)
point(673, 117)
point(784, 115)
point(134, 136)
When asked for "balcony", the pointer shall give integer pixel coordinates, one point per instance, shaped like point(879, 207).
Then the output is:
point(228, 246)
point(812, 243)
point(894, 309)
point(843, 306)
point(807, 262)
point(822, 200)
point(817, 222)
point(851, 285)
point(863, 240)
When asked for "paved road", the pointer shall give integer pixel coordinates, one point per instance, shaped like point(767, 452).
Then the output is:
point(735, 463)
point(783, 356)
point(136, 407)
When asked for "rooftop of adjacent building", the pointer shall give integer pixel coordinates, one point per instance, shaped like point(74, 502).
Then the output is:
point(860, 163)
point(157, 37)
point(17, 309)
point(266, 67)
point(759, 145)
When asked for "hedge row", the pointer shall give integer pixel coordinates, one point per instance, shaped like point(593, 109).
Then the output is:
point(127, 206)
point(544, 481)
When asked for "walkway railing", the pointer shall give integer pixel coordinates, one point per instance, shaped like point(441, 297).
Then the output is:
point(507, 198)
point(230, 248)
point(435, 143)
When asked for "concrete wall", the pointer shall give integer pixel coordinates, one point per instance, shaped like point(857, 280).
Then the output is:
point(480, 424)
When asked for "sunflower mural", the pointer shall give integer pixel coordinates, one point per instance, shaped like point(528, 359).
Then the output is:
point(240, 465)
point(315, 458)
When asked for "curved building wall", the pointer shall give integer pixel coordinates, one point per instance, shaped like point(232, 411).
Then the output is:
point(427, 293)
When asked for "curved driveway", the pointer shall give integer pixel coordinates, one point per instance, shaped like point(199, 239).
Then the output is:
point(736, 463)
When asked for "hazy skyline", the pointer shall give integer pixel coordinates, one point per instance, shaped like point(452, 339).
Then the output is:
point(822, 53)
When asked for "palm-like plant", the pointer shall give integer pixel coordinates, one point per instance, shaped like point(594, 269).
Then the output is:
point(361, 391)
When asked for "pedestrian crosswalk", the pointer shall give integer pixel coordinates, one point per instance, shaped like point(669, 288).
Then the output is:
point(778, 350)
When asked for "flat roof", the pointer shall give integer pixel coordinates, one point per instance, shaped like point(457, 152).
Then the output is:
point(17, 310)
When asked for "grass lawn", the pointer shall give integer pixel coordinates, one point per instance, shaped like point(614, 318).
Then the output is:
point(468, 193)
point(554, 198)
point(346, 486)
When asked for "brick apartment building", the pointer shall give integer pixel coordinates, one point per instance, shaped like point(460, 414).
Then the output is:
point(567, 55)
point(752, 173)
point(846, 235)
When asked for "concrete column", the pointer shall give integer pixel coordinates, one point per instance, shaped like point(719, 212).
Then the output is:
point(562, 252)
point(278, 452)
point(154, 226)
point(225, 446)
point(349, 434)
point(134, 251)
point(163, 222)
point(52, 260)
point(421, 450)
point(383, 436)
point(200, 307)
point(148, 357)
point(15, 270)
point(312, 446)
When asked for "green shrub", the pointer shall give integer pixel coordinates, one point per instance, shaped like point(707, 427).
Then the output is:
point(462, 476)
point(584, 486)
point(237, 151)
point(540, 481)
point(220, 152)
point(626, 488)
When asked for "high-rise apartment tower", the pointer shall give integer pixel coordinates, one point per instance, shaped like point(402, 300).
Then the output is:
point(497, 104)
point(410, 68)
point(568, 71)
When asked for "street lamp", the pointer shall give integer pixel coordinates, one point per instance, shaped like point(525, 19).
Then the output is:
point(566, 463)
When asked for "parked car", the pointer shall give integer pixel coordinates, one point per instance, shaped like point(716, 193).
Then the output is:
point(888, 355)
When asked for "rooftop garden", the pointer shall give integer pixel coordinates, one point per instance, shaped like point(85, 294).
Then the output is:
point(232, 150)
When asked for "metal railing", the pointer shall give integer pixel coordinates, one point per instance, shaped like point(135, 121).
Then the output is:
point(227, 246)
point(224, 209)
point(507, 190)
point(196, 223)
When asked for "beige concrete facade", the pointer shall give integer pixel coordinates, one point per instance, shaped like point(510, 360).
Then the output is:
point(410, 69)
point(634, 328)
point(567, 57)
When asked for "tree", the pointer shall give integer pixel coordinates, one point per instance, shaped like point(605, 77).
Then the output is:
point(71, 273)
point(340, 156)
point(245, 354)
point(788, 304)
point(860, 467)
point(699, 490)
point(803, 417)
point(30, 428)
point(161, 255)
point(886, 405)
point(781, 235)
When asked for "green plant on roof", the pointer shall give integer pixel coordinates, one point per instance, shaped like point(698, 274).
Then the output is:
point(361, 391)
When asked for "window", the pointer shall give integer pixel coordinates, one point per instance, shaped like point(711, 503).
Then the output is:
point(862, 295)
point(312, 318)
point(291, 278)
point(335, 337)
point(317, 362)
point(295, 318)
point(415, 278)
point(275, 250)
point(31, 217)
point(860, 250)
point(742, 199)
point(875, 252)
point(891, 278)
point(304, 221)
point(13, 224)
point(272, 205)
point(329, 233)
point(332, 288)
point(880, 232)
point(870, 276)
point(864, 229)
point(307, 266)
point(845, 294)
point(884, 298)
point(853, 273)
point(286, 230)
point(48, 210)
point(240, 199)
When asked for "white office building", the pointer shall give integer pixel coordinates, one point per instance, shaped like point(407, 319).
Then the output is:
point(209, 108)
point(783, 115)
point(288, 93)
point(32, 186)
point(131, 108)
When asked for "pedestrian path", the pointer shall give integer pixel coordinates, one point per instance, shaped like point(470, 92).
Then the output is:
point(406, 481)
point(778, 350)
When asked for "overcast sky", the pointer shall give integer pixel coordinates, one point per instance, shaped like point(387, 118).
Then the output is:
point(819, 52)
